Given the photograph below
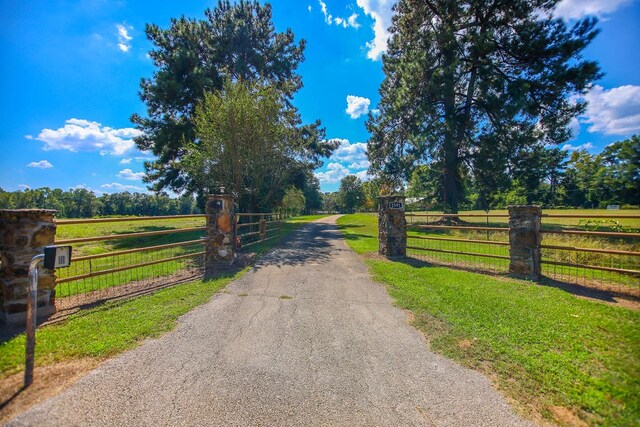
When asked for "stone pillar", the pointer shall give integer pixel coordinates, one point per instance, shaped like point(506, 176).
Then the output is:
point(221, 230)
point(524, 241)
point(23, 234)
point(392, 226)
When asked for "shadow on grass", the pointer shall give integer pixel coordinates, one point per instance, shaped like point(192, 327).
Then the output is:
point(607, 296)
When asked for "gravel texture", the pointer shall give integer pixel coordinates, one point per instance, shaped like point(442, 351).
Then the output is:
point(305, 338)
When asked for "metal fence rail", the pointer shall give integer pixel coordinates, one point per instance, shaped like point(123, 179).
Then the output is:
point(603, 259)
point(603, 254)
point(119, 256)
point(477, 248)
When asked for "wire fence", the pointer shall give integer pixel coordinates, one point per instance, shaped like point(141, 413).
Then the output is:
point(118, 257)
point(599, 251)
point(483, 248)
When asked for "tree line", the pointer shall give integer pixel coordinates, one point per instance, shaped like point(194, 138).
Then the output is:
point(552, 178)
point(82, 203)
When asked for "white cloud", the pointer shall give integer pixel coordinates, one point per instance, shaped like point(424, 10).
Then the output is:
point(363, 175)
point(347, 152)
point(124, 39)
point(576, 9)
point(335, 172)
point(83, 135)
point(122, 187)
point(125, 161)
point(614, 111)
point(28, 136)
point(569, 147)
point(357, 106)
point(574, 127)
point(24, 187)
point(381, 12)
point(351, 21)
point(309, 8)
point(362, 164)
point(130, 175)
point(42, 164)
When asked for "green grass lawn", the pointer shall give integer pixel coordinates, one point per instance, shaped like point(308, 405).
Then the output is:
point(117, 326)
point(542, 346)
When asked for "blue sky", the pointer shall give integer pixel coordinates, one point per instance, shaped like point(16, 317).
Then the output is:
point(71, 71)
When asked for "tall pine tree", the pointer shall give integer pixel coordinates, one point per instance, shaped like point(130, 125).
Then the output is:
point(469, 84)
point(236, 41)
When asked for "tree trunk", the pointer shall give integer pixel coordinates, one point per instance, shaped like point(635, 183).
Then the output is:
point(449, 148)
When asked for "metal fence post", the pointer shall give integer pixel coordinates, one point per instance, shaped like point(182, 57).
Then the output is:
point(392, 226)
point(524, 241)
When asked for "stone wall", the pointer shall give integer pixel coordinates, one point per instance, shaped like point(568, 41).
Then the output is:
point(392, 226)
point(221, 227)
point(524, 241)
point(23, 234)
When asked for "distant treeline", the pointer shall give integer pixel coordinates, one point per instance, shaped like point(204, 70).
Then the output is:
point(82, 203)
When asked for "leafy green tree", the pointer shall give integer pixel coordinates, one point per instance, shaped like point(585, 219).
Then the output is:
point(236, 41)
point(470, 83)
point(330, 202)
point(621, 161)
point(350, 194)
point(249, 143)
point(293, 201)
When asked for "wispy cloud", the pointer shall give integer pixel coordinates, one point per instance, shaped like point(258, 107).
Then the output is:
point(124, 39)
point(122, 187)
point(84, 135)
point(42, 164)
point(357, 106)
point(130, 175)
point(351, 21)
point(576, 9)
point(569, 147)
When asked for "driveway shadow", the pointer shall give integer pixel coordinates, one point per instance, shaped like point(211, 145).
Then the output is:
point(309, 244)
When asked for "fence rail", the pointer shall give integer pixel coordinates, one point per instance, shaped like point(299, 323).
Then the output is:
point(121, 257)
point(581, 252)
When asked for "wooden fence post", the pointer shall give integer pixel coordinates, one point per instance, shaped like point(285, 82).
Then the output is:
point(221, 233)
point(524, 241)
point(392, 226)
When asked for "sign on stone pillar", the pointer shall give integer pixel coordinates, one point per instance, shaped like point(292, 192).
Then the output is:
point(23, 234)
point(221, 229)
point(524, 241)
point(392, 226)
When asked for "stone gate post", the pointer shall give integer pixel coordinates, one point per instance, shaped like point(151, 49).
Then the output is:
point(23, 234)
point(524, 241)
point(392, 226)
point(221, 233)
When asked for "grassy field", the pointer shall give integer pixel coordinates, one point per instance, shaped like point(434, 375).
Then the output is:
point(114, 327)
point(562, 358)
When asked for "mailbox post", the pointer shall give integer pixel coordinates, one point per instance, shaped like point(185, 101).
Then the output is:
point(53, 257)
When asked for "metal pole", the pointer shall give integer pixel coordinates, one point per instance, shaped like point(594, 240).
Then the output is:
point(32, 316)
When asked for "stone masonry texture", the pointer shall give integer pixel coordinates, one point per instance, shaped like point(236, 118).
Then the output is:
point(392, 231)
point(23, 234)
point(524, 241)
